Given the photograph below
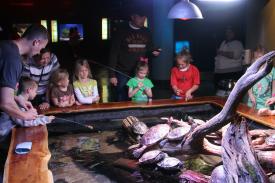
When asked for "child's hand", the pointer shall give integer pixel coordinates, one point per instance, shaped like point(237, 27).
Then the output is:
point(140, 84)
point(270, 101)
point(264, 112)
point(44, 106)
point(178, 92)
point(188, 95)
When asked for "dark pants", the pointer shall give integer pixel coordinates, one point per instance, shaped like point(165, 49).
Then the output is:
point(121, 90)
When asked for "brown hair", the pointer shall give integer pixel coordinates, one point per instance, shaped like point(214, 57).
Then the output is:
point(185, 54)
point(26, 83)
point(79, 63)
point(59, 75)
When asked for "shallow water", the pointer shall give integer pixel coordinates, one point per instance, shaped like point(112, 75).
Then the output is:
point(80, 155)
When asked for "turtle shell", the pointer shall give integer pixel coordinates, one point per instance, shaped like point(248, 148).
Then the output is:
point(170, 163)
point(152, 157)
point(178, 133)
point(155, 134)
point(270, 140)
point(139, 128)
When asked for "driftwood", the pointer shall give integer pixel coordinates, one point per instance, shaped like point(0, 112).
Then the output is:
point(193, 143)
point(239, 162)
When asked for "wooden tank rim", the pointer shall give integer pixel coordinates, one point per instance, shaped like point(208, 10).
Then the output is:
point(17, 167)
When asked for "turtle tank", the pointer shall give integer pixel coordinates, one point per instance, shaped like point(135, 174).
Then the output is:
point(100, 154)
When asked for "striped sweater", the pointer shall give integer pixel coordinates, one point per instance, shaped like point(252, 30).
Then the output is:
point(40, 74)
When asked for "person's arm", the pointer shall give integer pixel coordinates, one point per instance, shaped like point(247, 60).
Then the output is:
point(174, 82)
point(95, 96)
point(148, 92)
point(40, 120)
point(252, 98)
point(80, 97)
point(72, 100)
point(133, 91)
point(196, 82)
point(8, 105)
point(188, 94)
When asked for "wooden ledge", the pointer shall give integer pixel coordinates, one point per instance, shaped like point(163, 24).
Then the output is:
point(31, 167)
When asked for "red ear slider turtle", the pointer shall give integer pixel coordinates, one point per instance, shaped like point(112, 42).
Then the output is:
point(170, 163)
point(178, 133)
point(153, 156)
point(151, 137)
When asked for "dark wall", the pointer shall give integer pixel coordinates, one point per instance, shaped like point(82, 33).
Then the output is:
point(206, 35)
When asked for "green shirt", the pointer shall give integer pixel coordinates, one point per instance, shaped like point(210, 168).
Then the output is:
point(262, 90)
point(140, 95)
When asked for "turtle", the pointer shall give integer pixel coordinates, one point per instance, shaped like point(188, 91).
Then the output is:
point(176, 134)
point(153, 156)
point(170, 163)
point(135, 127)
point(139, 128)
point(151, 137)
point(270, 140)
point(192, 176)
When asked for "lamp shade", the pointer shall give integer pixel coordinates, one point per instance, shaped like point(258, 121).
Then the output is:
point(185, 10)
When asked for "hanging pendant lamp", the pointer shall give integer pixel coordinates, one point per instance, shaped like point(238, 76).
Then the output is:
point(185, 10)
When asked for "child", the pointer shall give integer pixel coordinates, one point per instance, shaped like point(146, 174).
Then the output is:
point(62, 94)
point(185, 77)
point(140, 86)
point(85, 88)
point(262, 90)
point(28, 91)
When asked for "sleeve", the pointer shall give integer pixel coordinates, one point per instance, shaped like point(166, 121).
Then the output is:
point(55, 63)
point(149, 84)
point(114, 51)
point(10, 72)
point(173, 78)
point(130, 83)
point(81, 98)
point(196, 78)
point(95, 90)
point(41, 120)
point(26, 70)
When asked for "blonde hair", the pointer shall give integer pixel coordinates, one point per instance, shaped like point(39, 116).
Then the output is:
point(79, 63)
point(59, 75)
point(26, 83)
point(185, 55)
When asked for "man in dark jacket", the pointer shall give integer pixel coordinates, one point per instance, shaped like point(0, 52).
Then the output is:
point(132, 43)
